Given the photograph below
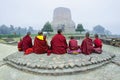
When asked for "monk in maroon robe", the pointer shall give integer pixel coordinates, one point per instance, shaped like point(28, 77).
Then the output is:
point(27, 42)
point(58, 43)
point(40, 44)
point(97, 44)
point(73, 46)
point(87, 45)
point(20, 45)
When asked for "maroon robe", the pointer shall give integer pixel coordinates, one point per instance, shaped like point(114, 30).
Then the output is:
point(27, 42)
point(73, 47)
point(87, 46)
point(73, 44)
point(59, 44)
point(97, 43)
point(20, 44)
point(40, 46)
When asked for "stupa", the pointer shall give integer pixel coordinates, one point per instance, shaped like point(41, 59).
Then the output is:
point(62, 20)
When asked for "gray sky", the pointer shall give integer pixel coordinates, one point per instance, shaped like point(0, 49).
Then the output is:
point(35, 13)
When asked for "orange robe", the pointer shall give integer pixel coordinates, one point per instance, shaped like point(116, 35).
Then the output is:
point(27, 42)
point(59, 44)
point(20, 44)
point(40, 45)
point(87, 46)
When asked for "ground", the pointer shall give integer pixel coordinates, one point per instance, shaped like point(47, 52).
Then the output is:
point(107, 72)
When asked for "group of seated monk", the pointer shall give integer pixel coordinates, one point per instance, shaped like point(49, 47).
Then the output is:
point(59, 44)
point(88, 46)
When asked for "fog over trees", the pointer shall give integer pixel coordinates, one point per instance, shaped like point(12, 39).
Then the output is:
point(15, 30)
point(47, 28)
point(101, 30)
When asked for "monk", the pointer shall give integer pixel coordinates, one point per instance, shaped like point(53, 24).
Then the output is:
point(87, 45)
point(97, 44)
point(27, 41)
point(20, 45)
point(58, 43)
point(73, 46)
point(40, 44)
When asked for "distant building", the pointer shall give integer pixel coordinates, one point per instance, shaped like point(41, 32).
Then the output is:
point(62, 20)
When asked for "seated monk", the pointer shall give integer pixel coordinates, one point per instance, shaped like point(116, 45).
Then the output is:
point(87, 45)
point(73, 46)
point(58, 43)
point(27, 42)
point(40, 44)
point(20, 44)
point(97, 44)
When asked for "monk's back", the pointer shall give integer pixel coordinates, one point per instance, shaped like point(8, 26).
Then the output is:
point(87, 46)
point(40, 46)
point(73, 44)
point(58, 44)
point(98, 43)
point(59, 40)
point(27, 42)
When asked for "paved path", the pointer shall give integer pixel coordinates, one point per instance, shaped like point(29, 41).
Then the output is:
point(6, 50)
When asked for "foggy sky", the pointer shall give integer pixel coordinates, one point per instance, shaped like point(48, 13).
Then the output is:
point(36, 13)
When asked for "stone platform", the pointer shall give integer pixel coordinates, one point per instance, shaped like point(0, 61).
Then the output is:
point(57, 64)
point(116, 60)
